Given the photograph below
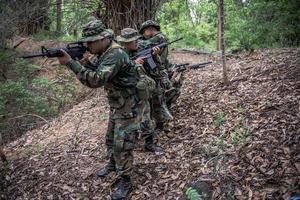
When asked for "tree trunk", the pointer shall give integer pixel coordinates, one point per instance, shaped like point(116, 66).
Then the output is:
point(119, 14)
point(225, 78)
point(32, 16)
point(218, 42)
point(58, 16)
point(2, 155)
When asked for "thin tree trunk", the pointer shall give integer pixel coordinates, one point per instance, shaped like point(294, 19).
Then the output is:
point(218, 43)
point(2, 155)
point(225, 78)
point(58, 16)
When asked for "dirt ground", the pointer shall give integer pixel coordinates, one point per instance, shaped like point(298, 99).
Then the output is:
point(242, 139)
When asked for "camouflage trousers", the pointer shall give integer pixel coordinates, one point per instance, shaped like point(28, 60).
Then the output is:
point(174, 92)
point(121, 136)
point(147, 125)
point(159, 110)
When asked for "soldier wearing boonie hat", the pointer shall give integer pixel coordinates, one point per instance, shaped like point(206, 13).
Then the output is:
point(95, 30)
point(117, 73)
point(128, 39)
point(128, 35)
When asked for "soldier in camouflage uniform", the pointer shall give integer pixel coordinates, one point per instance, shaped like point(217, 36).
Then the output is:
point(176, 79)
point(120, 79)
point(152, 36)
point(129, 40)
point(151, 33)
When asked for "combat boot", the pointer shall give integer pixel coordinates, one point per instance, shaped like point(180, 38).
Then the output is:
point(159, 127)
point(123, 188)
point(152, 147)
point(166, 113)
point(110, 167)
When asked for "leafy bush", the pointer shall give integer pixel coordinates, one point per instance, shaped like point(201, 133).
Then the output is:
point(23, 94)
point(219, 119)
point(248, 24)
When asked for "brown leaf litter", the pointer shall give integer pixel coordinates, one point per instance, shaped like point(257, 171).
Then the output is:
point(242, 139)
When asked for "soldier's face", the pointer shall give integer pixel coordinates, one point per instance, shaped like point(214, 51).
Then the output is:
point(131, 46)
point(98, 46)
point(92, 46)
point(149, 32)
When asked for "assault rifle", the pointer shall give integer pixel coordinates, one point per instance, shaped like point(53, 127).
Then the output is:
point(75, 50)
point(185, 66)
point(147, 53)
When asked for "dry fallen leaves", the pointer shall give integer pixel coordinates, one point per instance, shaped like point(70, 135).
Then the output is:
point(243, 138)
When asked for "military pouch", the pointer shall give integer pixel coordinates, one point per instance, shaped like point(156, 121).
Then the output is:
point(142, 88)
point(127, 110)
point(115, 99)
point(129, 140)
point(145, 85)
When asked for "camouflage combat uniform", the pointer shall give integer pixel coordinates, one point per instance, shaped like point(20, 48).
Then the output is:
point(130, 35)
point(119, 77)
point(174, 91)
point(159, 110)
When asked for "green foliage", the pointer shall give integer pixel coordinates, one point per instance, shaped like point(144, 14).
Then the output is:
point(239, 135)
point(182, 19)
point(17, 96)
point(248, 24)
point(219, 119)
point(220, 143)
point(51, 35)
point(24, 94)
point(192, 194)
point(261, 24)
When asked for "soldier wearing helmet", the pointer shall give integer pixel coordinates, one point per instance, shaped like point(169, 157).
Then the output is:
point(129, 40)
point(152, 36)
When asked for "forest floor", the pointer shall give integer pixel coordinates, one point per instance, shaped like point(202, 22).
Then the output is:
point(242, 140)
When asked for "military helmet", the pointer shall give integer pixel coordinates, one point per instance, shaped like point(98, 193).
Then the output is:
point(128, 35)
point(147, 24)
point(95, 30)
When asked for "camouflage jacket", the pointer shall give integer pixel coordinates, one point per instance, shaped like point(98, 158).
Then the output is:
point(159, 38)
point(158, 72)
point(143, 73)
point(117, 74)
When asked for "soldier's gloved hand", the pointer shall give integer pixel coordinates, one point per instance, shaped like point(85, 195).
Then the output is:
point(174, 74)
point(64, 59)
point(139, 60)
point(155, 50)
point(84, 60)
point(166, 84)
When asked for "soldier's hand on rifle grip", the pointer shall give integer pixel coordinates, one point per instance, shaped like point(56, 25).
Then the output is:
point(84, 60)
point(155, 50)
point(174, 74)
point(139, 60)
point(64, 59)
point(165, 82)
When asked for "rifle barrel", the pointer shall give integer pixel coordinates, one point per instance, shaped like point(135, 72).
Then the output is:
point(34, 55)
point(175, 40)
point(182, 64)
point(200, 64)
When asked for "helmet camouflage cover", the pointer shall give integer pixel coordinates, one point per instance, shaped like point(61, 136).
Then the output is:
point(149, 23)
point(95, 30)
point(128, 35)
